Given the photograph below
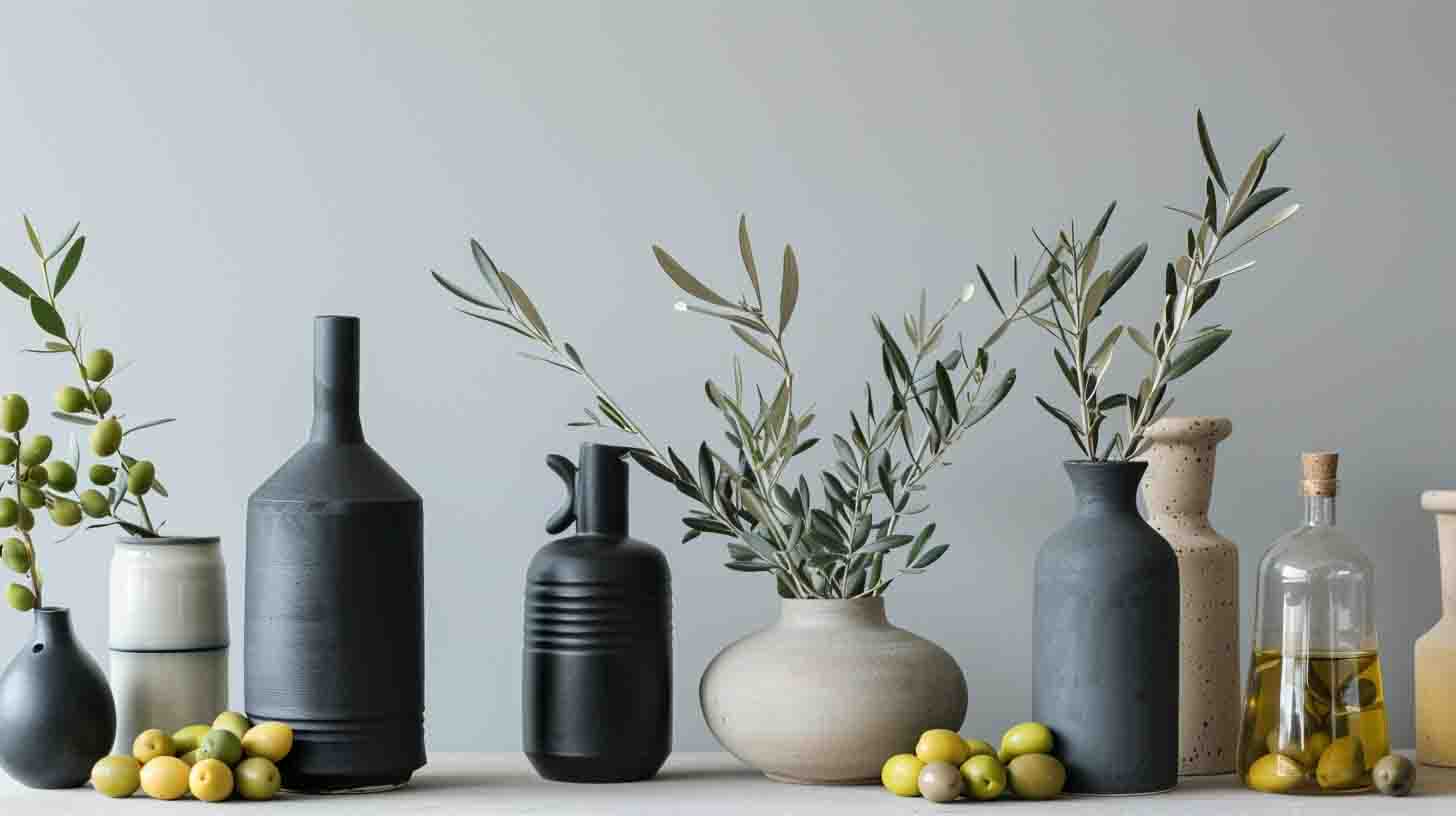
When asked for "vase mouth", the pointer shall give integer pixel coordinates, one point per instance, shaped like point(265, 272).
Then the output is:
point(168, 541)
point(1190, 429)
point(833, 610)
point(53, 610)
point(1439, 501)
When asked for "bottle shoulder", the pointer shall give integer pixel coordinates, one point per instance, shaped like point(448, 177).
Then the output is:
point(1309, 551)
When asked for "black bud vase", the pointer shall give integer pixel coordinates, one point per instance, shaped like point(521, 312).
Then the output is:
point(334, 601)
point(597, 691)
point(1105, 639)
point(56, 713)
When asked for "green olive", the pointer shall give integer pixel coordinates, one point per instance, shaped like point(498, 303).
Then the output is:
point(31, 497)
point(1394, 775)
point(106, 437)
point(1036, 776)
point(1358, 692)
point(35, 450)
point(20, 598)
point(98, 364)
point(1275, 773)
point(1343, 764)
point(36, 475)
point(95, 504)
point(1307, 755)
point(61, 476)
point(15, 554)
point(102, 403)
point(9, 511)
point(8, 450)
point(140, 478)
point(26, 520)
point(71, 400)
point(102, 475)
point(65, 513)
point(14, 412)
point(1025, 738)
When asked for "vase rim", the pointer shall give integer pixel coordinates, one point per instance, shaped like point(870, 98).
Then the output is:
point(168, 541)
point(1439, 501)
point(53, 610)
point(805, 603)
point(1190, 428)
point(1107, 464)
point(833, 611)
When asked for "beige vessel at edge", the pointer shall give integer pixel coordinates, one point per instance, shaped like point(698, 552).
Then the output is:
point(1436, 649)
point(1177, 492)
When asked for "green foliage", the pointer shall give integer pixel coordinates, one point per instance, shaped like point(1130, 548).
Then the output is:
point(1076, 295)
point(834, 545)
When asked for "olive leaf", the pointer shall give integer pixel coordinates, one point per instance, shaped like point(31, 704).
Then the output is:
point(1253, 205)
point(462, 294)
point(489, 271)
point(745, 249)
point(47, 318)
point(34, 239)
point(789, 296)
point(1207, 144)
point(1197, 350)
point(685, 281)
point(70, 262)
point(13, 282)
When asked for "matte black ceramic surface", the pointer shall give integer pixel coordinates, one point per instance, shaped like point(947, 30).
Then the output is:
point(56, 713)
point(1105, 639)
point(597, 684)
point(334, 642)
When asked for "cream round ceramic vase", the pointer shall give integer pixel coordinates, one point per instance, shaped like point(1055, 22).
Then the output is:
point(1436, 649)
point(1177, 491)
point(829, 691)
point(169, 634)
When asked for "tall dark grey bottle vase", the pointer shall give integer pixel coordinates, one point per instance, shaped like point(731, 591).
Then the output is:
point(334, 602)
point(1105, 639)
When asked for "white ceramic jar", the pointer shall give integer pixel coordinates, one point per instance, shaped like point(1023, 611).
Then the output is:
point(169, 634)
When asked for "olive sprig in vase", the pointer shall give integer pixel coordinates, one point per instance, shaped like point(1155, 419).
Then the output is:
point(87, 402)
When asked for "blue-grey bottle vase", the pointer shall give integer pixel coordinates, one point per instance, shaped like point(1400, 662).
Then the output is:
point(1105, 639)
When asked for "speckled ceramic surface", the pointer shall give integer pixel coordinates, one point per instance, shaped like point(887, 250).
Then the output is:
point(1177, 491)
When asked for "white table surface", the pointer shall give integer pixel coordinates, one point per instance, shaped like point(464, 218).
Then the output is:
point(712, 783)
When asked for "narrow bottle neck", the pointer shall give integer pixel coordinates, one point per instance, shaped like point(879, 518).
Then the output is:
point(1319, 511)
point(336, 381)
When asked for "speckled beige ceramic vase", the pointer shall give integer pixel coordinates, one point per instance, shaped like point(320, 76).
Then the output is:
point(829, 692)
point(1177, 491)
point(1436, 649)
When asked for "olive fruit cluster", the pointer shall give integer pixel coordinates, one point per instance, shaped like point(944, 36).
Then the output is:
point(1335, 764)
point(946, 766)
point(231, 757)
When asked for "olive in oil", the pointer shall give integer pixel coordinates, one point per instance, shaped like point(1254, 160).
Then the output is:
point(1298, 705)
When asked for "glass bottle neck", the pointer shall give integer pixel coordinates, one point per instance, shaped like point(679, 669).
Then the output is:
point(1319, 511)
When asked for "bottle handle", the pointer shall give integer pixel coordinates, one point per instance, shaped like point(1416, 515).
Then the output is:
point(566, 516)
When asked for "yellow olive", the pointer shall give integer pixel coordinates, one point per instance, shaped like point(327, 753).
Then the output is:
point(60, 476)
point(1026, 738)
point(71, 400)
point(899, 774)
point(8, 450)
point(95, 504)
point(14, 413)
point(98, 364)
point(210, 780)
point(233, 721)
point(1036, 776)
point(976, 747)
point(1307, 755)
point(20, 598)
point(16, 555)
point(1343, 764)
point(105, 437)
point(984, 776)
point(9, 511)
point(102, 402)
point(65, 513)
point(189, 738)
point(1276, 773)
point(151, 744)
point(165, 777)
point(270, 740)
point(31, 497)
point(139, 479)
point(116, 776)
point(102, 475)
point(941, 745)
point(35, 450)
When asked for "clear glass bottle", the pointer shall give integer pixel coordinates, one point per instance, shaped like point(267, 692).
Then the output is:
point(1314, 716)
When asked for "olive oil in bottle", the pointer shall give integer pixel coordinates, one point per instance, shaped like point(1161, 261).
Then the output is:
point(1314, 718)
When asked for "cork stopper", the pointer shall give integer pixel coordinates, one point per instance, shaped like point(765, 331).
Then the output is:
point(1320, 474)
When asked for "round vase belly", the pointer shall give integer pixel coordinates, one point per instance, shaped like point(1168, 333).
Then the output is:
point(1177, 491)
point(829, 691)
point(169, 634)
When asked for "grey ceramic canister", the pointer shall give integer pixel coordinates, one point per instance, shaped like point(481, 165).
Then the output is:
point(1105, 639)
point(334, 600)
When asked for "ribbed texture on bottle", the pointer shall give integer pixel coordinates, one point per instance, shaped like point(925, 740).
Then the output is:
point(593, 617)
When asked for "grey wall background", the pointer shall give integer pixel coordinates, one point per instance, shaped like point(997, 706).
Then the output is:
point(240, 168)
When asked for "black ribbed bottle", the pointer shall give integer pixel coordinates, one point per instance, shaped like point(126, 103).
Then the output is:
point(334, 601)
point(597, 690)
